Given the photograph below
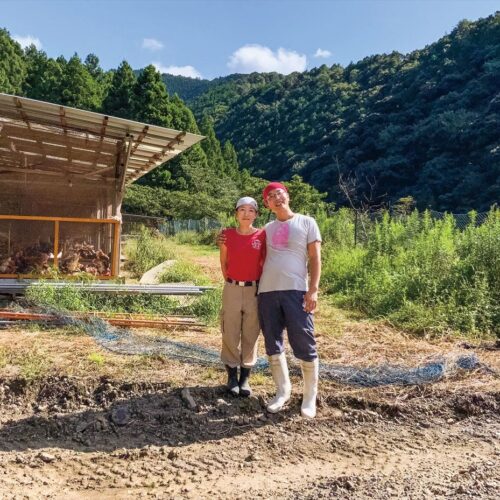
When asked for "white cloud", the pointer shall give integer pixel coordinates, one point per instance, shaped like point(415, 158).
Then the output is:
point(256, 57)
point(26, 41)
point(152, 44)
point(322, 53)
point(178, 70)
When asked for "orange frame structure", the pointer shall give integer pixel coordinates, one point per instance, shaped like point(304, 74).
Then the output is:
point(115, 257)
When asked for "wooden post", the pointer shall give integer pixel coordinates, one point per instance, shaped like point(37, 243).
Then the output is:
point(56, 244)
point(115, 265)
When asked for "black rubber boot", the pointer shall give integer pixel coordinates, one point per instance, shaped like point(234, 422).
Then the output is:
point(232, 380)
point(245, 389)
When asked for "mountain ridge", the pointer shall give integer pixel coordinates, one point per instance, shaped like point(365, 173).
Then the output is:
point(423, 124)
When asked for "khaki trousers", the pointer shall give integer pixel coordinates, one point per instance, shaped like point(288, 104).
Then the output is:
point(240, 325)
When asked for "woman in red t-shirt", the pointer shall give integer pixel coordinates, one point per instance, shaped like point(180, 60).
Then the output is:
point(241, 257)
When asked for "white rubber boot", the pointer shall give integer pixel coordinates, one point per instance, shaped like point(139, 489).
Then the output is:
point(310, 374)
point(279, 370)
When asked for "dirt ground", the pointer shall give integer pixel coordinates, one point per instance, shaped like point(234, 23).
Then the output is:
point(79, 422)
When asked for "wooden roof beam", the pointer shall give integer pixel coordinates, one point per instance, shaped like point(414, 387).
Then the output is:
point(101, 141)
point(56, 139)
point(140, 138)
point(169, 147)
point(24, 116)
point(123, 172)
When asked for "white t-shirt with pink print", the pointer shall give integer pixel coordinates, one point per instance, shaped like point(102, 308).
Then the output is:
point(285, 267)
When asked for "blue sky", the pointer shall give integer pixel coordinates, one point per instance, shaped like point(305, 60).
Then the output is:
point(211, 38)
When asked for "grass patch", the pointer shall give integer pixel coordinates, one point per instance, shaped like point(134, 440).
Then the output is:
point(182, 271)
point(4, 357)
point(423, 274)
point(258, 379)
point(147, 251)
point(207, 306)
point(33, 364)
point(206, 237)
point(96, 358)
point(210, 374)
point(70, 298)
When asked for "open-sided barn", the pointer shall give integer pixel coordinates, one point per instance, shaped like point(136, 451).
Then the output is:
point(63, 173)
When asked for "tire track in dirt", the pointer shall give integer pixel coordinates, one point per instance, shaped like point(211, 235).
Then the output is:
point(386, 457)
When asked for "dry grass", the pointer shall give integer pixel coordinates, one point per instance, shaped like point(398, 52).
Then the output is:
point(38, 352)
point(343, 338)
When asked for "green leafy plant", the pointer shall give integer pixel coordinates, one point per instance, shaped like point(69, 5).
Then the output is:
point(147, 251)
point(97, 358)
point(182, 271)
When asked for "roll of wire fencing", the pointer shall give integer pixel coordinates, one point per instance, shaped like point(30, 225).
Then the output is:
point(124, 341)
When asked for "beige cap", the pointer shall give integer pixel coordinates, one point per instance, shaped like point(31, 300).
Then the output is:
point(247, 200)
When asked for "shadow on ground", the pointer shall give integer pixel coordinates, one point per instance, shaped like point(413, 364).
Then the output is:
point(106, 415)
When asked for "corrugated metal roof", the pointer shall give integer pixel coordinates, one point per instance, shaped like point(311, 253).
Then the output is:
point(44, 139)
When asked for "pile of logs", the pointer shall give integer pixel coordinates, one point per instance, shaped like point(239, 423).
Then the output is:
point(75, 258)
point(83, 257)
point(31, 259)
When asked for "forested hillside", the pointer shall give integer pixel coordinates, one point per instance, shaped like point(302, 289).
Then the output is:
point(204, 181)
point(186, 88)
point(424, 124)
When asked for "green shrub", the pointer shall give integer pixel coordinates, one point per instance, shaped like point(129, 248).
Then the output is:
point(33, 364)
point(71, 298)
point(423, 274)
point(147, 251)
point(182, 271)
point(207, 306)
point(337, 229)
point(97, 358)
point(206, 237)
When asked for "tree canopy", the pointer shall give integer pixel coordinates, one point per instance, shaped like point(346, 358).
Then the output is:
point(424, 125)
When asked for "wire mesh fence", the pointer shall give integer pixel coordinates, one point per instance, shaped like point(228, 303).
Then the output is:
point(132, 224)
point(365, 221)
point(124, 341)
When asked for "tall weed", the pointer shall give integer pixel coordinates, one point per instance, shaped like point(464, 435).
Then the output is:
point(421, 273)
point(71, 298)
point(182, 271)
point(206, 237)
point(147, 251)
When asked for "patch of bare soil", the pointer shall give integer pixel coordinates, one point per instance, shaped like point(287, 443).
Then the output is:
point(78, 437)
point(77, 421)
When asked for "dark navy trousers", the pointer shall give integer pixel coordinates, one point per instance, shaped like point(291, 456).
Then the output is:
point(284, 309)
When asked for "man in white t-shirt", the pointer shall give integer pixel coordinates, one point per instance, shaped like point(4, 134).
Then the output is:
point(287, 300)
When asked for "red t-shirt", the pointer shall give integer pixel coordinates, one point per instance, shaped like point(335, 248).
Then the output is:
point(245, 254)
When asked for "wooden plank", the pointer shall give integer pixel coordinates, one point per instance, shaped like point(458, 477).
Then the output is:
point(57, 135)
point(31, 171)
point(97, 173)
point(131, 126)
point(56, 166)
point(62, 179)
point(56, 243)
point(38, 276)
point(139, 139)
point(123, 172)
point(115, 264)
point(115, 320)
point(60, 219)
point(156, 135)
point(57, 138)
point(61, 151)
